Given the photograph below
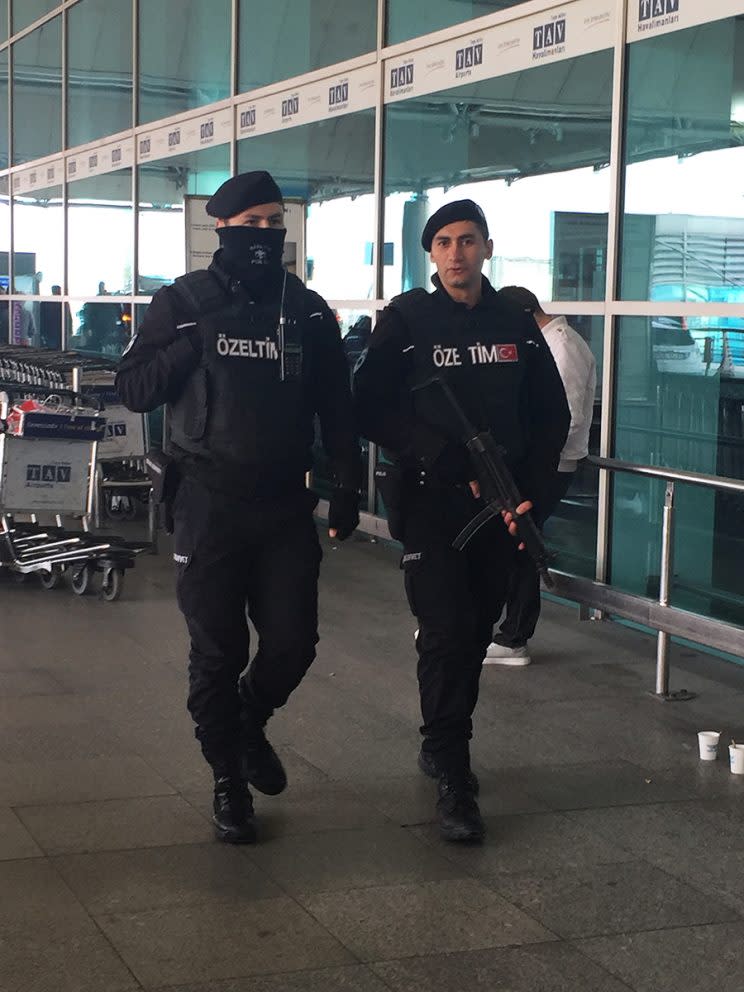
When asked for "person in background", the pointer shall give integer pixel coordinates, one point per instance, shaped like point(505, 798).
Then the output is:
point(578, 372)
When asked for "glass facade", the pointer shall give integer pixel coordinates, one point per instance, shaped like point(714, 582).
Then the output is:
point(25, 12)
point(290, 37)
point(184, 54)
point(406, 19)
point(617, 200)
point(531, 148)
point(683, 227)
point(167, 192)
point(327, 170)
point(99, 70)
point(38, 242)
point(37, 93)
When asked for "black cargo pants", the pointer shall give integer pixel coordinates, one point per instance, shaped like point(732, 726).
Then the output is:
point(238, 559)
point(456, 597)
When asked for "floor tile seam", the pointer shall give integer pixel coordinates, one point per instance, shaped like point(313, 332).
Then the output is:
point(611, 934)
point(87, 852)
point(95, 923)
point(692, 879)
point(605, 808)
point(94, 802)
point(508, 947)
point(277, 974)
point(310, 831)
point(573, 944)
point(374, 886)
point(670, 929)
point(710, 803)
point(692, 883)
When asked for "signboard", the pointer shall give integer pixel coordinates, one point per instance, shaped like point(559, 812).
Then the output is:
point(39, 177)
point(186, 136)
point(647, 18)
point(98, 161)
point(45, 475)
point(560, 33)
point(316, 101)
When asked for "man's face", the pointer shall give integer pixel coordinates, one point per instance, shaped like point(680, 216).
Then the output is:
point(262, 215)
point(459, 251)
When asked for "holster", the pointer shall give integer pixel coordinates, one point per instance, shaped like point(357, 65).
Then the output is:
point(389, 480)
point(164, 478)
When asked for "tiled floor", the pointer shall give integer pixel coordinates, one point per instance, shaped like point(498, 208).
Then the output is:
point(614, 860)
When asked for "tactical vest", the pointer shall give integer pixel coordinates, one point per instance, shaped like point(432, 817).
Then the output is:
point(234, 410)
point(483, 354)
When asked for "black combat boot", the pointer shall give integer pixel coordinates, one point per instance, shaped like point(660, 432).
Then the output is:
point(233, 818)
point(428, 765)
point(457, 810)
point(260, 763)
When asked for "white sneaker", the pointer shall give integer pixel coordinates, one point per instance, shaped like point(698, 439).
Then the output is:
point(498, 654)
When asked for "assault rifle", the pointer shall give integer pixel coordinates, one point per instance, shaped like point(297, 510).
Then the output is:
point(497, 486)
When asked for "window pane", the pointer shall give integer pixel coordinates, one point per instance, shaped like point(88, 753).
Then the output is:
point(103, 328)
point(38, 242)
point(3, 20)
point(163, 188)
point(680, 403)
point(4, 239)
point(25, 12)
point(99, 60)
point(37, 93)
point(547, 127)
point(292, 37)
point(100, 234)
point(326, 169)
point(571, 532)
point(184, 55)
point(4, 163)
point(683, 234)
point(408, 19)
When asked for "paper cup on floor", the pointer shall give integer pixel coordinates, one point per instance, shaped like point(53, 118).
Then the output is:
point(736, 758)
point(708, 744)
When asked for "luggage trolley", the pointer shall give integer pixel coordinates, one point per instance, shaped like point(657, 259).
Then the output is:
point(122, 482)
point(47, 467)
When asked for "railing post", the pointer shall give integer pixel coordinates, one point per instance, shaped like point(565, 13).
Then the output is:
point(665, 585)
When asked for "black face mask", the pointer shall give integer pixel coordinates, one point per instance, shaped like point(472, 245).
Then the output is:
point(253, 254)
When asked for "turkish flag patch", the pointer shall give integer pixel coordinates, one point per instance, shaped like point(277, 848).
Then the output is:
point(508, 353)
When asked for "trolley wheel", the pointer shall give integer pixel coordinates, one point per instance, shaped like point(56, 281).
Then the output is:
point(18, 577)
point(52, 578)
point(81, 580)
point(120, 506)
point(113, 583)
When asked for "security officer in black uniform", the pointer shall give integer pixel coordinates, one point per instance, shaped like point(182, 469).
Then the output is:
point(245, 356)
point(504, 377)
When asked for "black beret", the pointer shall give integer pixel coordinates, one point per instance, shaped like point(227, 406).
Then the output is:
point(448, 214)
point(241, 192)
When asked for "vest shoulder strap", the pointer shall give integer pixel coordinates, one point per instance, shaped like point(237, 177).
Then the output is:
point(199, 292)
point(407, 304)
point(410, 306)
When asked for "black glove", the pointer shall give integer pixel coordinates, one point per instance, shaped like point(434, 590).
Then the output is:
point(453, 464)
point(343, 512)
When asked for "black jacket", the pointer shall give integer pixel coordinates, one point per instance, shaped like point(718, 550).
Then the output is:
point(497, 364)
point(234, 424)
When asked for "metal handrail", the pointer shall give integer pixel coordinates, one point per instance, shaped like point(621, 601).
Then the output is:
point(671, 477)
point(669, 474)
